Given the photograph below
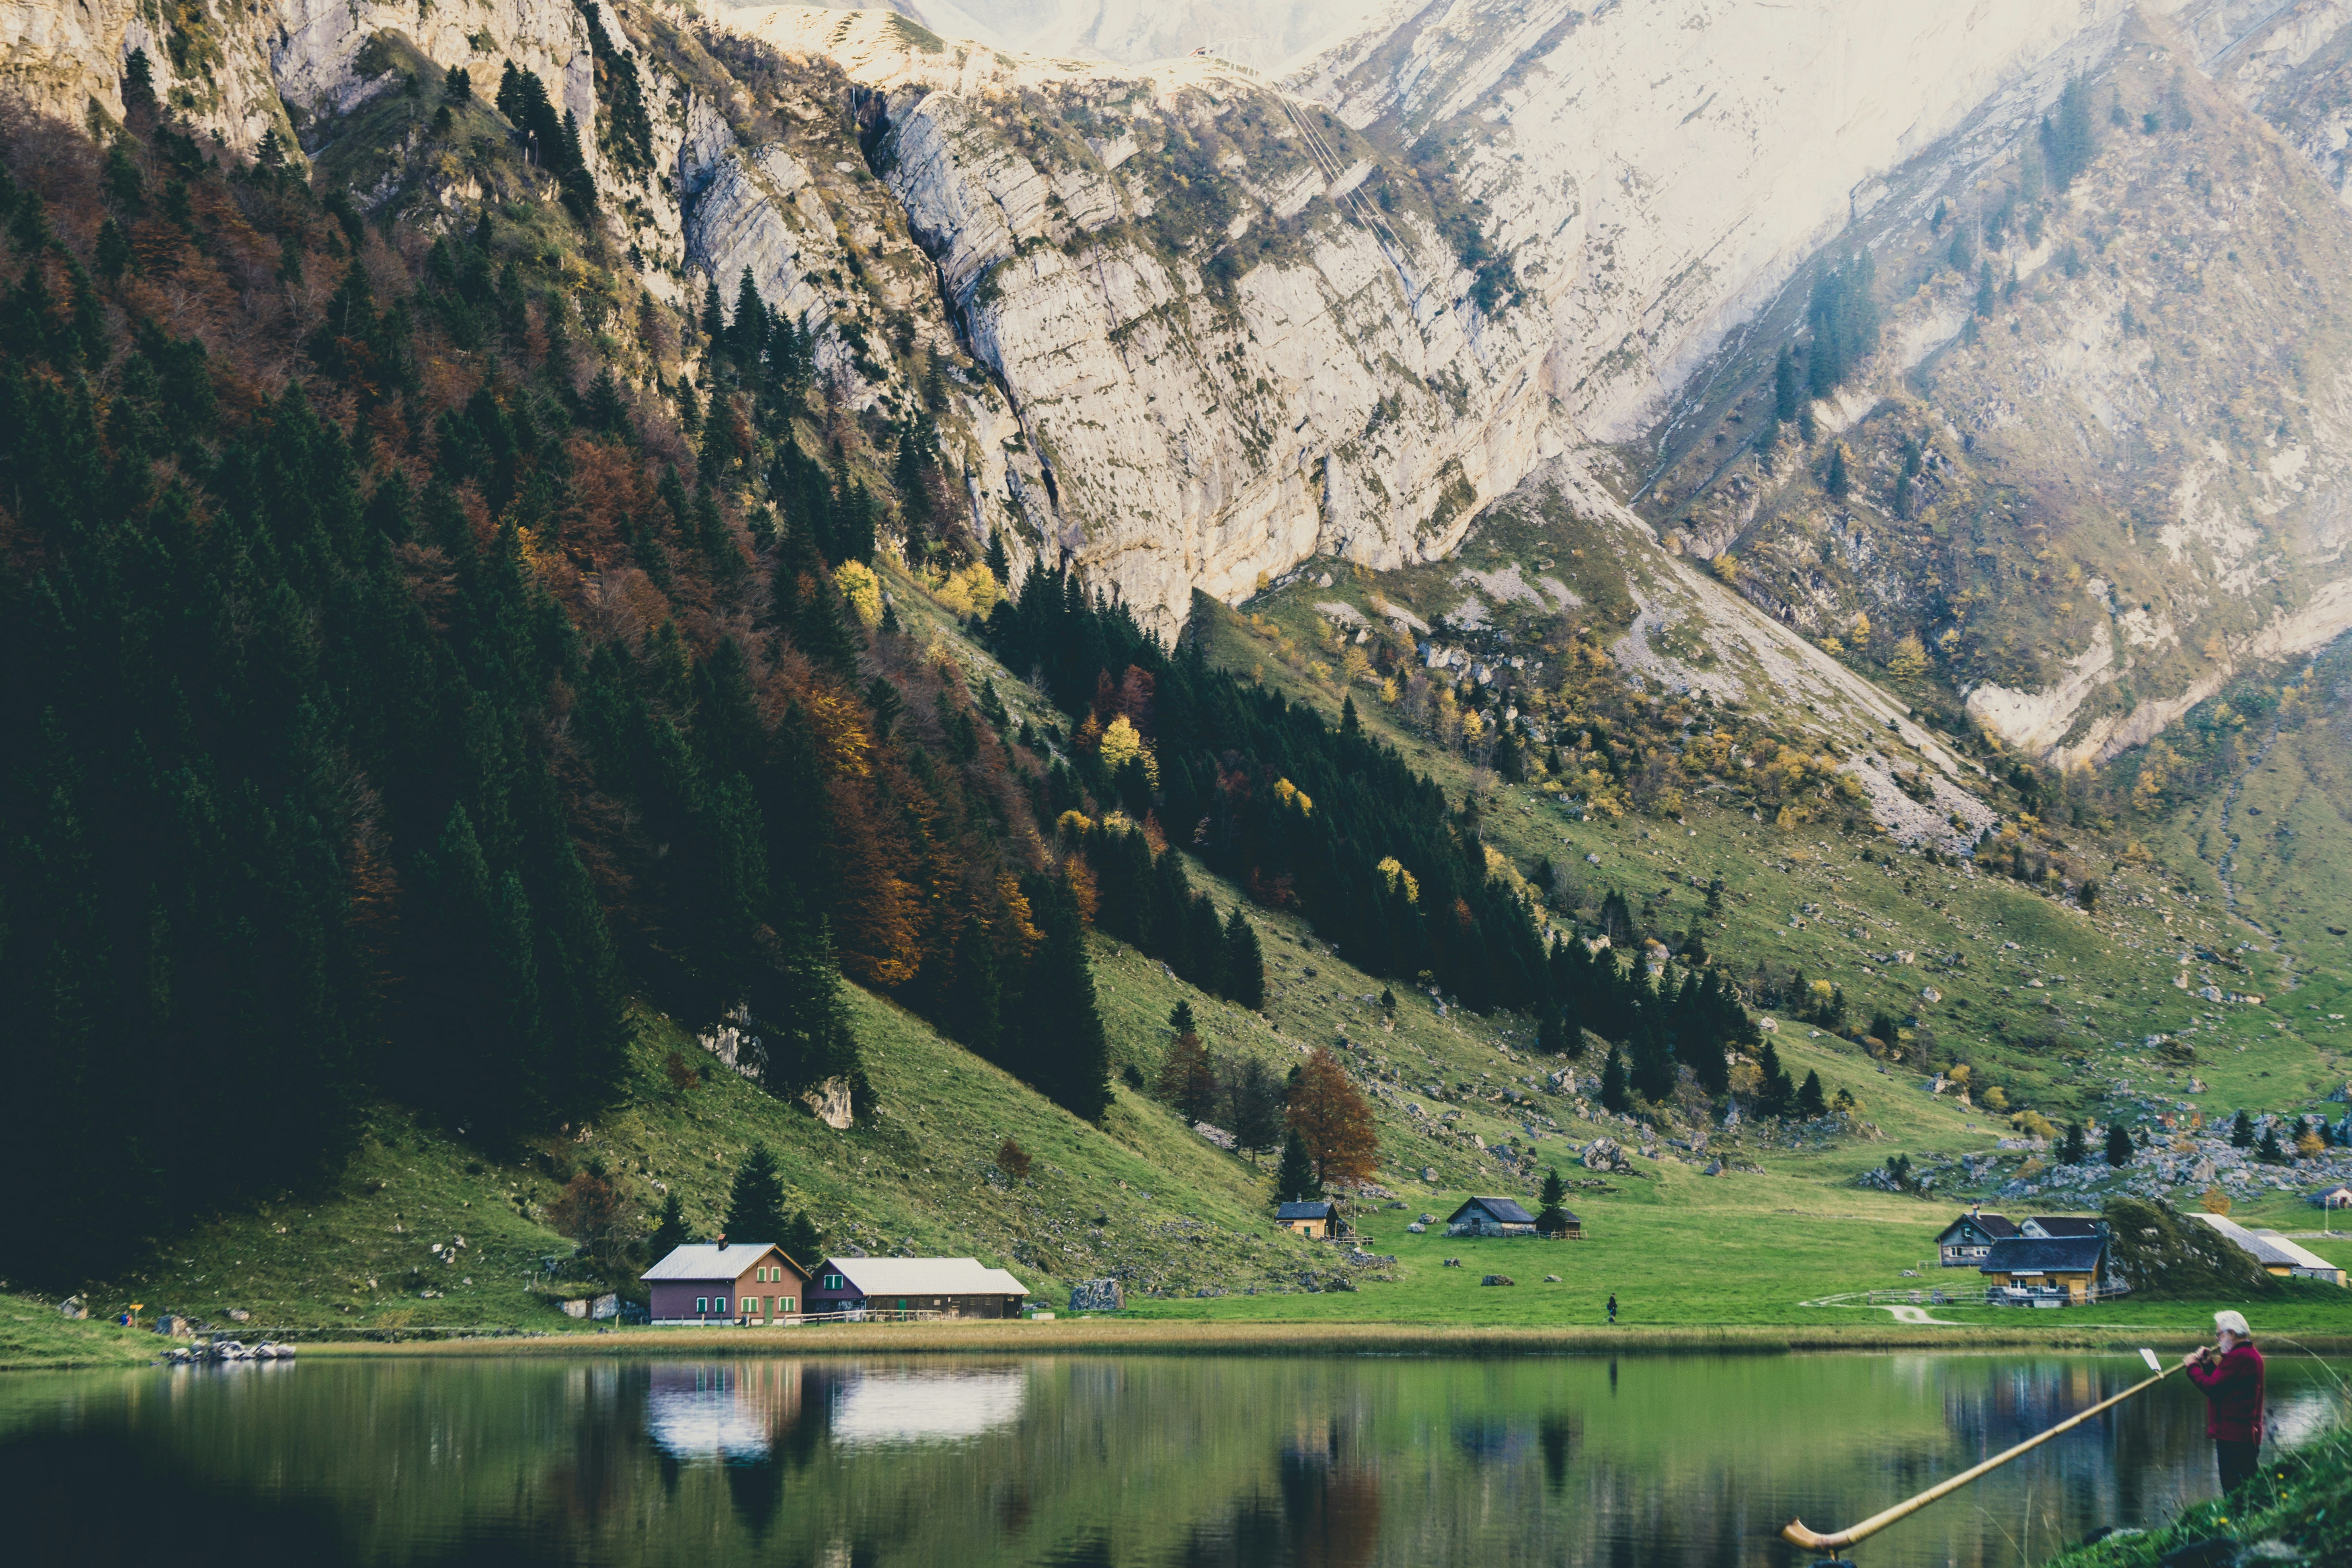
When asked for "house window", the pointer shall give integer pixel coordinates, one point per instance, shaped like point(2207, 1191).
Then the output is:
point(787, 1300)
point(719, 1305)
point(833, 1281)
point(702, 1304)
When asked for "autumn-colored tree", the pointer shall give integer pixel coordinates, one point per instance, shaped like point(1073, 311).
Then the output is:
point(1333, 1121)
point(1187, 1081)
point(595, 1212)
point(1012, 1159)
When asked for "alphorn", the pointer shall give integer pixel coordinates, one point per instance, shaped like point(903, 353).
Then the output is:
point(1796, 1533)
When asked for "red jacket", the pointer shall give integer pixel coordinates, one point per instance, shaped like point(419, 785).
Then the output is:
point(2233, 1394)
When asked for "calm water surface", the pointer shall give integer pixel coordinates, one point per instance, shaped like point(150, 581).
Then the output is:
point(1078, 1460)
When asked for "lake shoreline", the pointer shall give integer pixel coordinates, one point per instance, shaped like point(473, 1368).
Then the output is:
point(1101, 1336)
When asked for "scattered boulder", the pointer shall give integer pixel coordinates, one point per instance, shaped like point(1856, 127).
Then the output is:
point(1429, 1173)
point(1429, 1219)
point(1416, 1228)
point(1497, 1279)
point(1096, 1296)
point(1714, 1168)
point(1604, 1154)
point(239, 1315)
point(576, 1308)
point(72, 1307)
point(604, 1309)
point(1551, 1278)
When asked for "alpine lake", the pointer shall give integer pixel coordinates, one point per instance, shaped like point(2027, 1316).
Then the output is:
point(1178, 1460)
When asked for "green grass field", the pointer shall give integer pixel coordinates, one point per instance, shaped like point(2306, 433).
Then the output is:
point(1143, 1198)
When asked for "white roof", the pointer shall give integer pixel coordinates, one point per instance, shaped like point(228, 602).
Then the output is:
point(925, 1277)
point(707, 1260)
point(2303, 1256)
point(2263, 1248)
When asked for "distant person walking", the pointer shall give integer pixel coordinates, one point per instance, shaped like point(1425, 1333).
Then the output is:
point(1613, 1308)
point(2230, 1373)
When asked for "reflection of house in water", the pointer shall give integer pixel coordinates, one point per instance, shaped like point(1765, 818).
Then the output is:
point(932, 1406)
point(735, 1411)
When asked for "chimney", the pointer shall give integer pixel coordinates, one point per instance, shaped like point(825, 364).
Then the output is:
point(722, 1241)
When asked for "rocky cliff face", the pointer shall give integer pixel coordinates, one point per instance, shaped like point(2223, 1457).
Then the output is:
point(2098, 466)
point(1196, 328)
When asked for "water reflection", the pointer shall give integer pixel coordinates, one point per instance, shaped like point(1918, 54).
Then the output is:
point(1691, 1462)
point(928, 1405)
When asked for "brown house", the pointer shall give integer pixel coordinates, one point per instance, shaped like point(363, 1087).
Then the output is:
point(1317, 1220)
point(712, 1283)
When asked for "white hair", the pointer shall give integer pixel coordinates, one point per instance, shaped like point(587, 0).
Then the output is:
point(2232, 1323)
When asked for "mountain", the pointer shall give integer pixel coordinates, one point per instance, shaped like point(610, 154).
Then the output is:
point(541, 530)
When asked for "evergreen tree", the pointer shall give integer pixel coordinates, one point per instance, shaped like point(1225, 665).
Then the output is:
point(975, 1006)
point(1252, 1105)
point(1551, 1219)
point(669, 1232)
point(1000, 565)
point(755, 1208)
point(1244, 976)
point(1062, 1044)
point(1838, 481)
point(2075, 1148)
point(2242, 1132)
point(801, 1241)
point(1654, 1059)
point(1295, 1180)
point(1187, 1081)
point(1984, 305)
point(2119, 1144)
point(1785, 392)
point(1613, 1095)
point(2068, 139)
point(1775, 1092)
point(2268, 1151)
point(1811, 1102)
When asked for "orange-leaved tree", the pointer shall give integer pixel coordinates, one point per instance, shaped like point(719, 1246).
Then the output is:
point(1333, 1121)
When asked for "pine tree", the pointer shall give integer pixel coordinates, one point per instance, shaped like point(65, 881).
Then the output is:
point(1062, 1044)
point(1187, 1081)
point(671, 1232)
point(1654, 1059)
point(2119, 1144)
point(1775, 1092)
point(2075, 1148)
point(1785, 395)
point(1000, 565)
point(2268, 1151)
point(975, 1004)
point(1613, 1084)
point(1294, 1181)
point(1984, 305)
point(755, 1208)
point(1838, 481)
point(801, 1241)
point(1552, 1218)
point(2242, 1132)
point(1244, 963)
point(1252, 1105)
point(1810, 1099)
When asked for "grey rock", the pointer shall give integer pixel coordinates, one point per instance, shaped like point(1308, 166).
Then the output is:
point(1096, 1296)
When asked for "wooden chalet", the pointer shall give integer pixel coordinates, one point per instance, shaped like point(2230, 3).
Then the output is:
point(1965, 1241)
point(2071, 1266)
point(1318, 1219)
point(906, 1288)
point(1491, 1216)
point(714, 1284)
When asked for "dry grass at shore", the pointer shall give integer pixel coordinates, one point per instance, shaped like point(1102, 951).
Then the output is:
point(1104, 1336)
